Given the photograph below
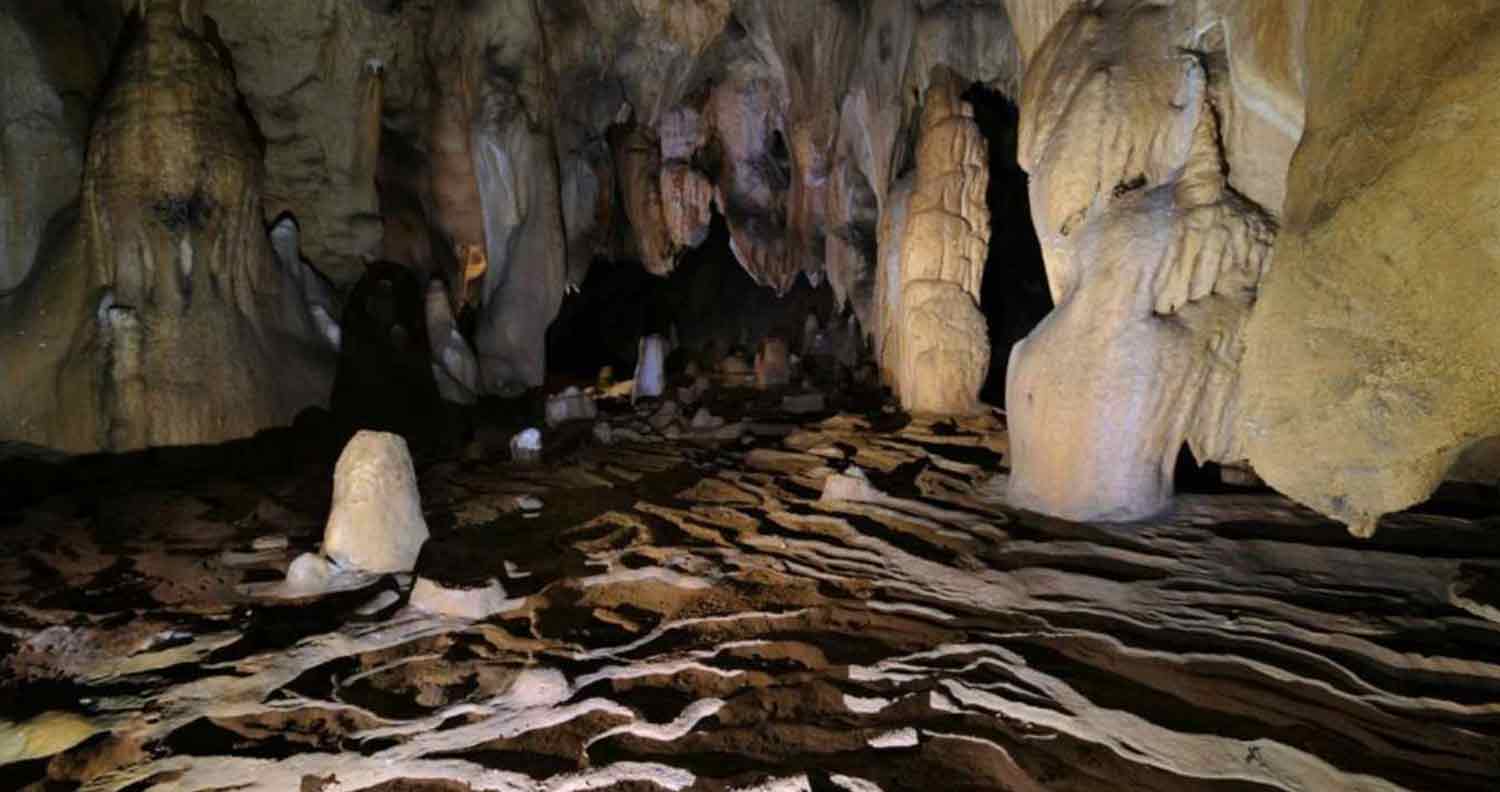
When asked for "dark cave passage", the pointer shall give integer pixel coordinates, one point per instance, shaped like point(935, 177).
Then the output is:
point(1014, 297)
point(709, 300)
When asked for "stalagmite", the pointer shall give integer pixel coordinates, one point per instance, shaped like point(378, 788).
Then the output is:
point(944, 349)
point(376, 523)
point(773, 367)
point(651, 368)
point(453, 364)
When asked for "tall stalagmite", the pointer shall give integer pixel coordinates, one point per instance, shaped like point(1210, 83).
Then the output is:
point(944, 345)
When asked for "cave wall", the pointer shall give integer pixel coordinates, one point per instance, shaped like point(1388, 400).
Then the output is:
point(1373, 354)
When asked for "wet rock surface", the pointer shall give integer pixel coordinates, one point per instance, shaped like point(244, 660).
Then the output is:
point(841, 602)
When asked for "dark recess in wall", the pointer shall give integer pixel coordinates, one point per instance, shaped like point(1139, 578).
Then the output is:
point(709, 298)
point(1014, 296)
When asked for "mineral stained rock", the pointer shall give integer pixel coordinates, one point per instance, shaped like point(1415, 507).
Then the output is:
point(496, 179)
point(163, 317)
point(376, 524)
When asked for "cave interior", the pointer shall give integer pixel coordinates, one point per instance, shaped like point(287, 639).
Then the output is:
point(763, 395)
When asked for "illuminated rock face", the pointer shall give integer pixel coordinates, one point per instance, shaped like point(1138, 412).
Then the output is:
point(1373, 355)
point(503, 145)
point(1153, 258)
point(496, 180)
point(944, 350)
point(376, 524)
point(164, 318)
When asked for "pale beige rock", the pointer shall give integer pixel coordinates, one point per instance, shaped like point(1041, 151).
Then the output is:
point(1152, 256)
point(376, 523)
point(46, 734)
point(1372, 354)
point(944, 348)
point(460, 602)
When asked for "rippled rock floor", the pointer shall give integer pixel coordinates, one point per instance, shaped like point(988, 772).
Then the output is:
point(695, 615)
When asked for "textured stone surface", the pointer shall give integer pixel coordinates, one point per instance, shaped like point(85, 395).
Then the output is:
point(944, 350)
point(453, 363)
point(1153, 258)
point(54, 58)
point(376, 524)
point(321, 79)
point(792, 622)
point(1372, 359)
point(163, 318)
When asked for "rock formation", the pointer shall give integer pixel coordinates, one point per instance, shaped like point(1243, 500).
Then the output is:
point(55, 59)
point(502, 146)
point(945, 350)
point(453, 364)
point(1373, 355)
point(1153, 258)
point(331, 87)
point(163, 318)
point(651, 368)
point(376, 524)
point(496, 178)
point(773, 366)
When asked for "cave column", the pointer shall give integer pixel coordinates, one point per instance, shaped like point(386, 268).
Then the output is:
point(1153, 263)
point(943, 344)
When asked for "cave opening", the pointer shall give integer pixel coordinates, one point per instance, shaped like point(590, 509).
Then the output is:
point(1014, 296)
point(709, 304)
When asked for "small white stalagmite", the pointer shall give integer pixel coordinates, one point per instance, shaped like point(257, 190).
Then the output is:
point(376, 524)
point(650, 368)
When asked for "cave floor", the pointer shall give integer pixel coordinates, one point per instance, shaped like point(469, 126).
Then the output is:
point(687, 615)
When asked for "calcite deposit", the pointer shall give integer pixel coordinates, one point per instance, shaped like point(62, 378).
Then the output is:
point(1153, 257)
point(376, 523)
point(944, 352)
